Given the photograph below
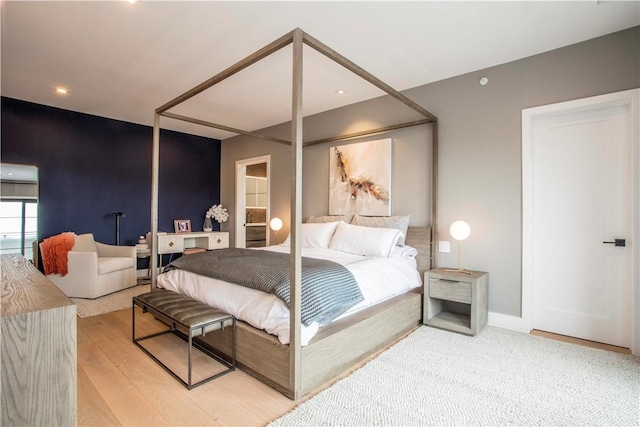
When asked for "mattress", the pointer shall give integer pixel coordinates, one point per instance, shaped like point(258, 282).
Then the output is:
point(379, 279)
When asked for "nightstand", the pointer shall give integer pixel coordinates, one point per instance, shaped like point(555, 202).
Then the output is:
point(141, 253)
point(456, 301)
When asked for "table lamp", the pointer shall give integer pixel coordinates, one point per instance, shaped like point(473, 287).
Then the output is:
point(275, 224)
point(460, 230)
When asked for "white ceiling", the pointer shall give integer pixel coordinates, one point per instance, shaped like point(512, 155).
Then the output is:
point(122, 61)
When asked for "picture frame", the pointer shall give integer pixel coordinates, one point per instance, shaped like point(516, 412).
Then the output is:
point(182, 225)
point(360, 178)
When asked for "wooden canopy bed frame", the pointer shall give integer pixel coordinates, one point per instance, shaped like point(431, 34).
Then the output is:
point(292, 369)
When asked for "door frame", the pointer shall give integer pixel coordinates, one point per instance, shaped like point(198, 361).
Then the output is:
point(241, 196)
point(629, 98)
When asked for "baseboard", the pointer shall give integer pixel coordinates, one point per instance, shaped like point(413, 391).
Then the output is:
point(506, 321)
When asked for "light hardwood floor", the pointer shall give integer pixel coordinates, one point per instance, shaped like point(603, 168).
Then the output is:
point(118, 384)
point(579, 341)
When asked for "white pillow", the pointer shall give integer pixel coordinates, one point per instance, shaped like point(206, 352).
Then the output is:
point(400, 222)
point(403, 251)
point(366, 241)
point(316, 235)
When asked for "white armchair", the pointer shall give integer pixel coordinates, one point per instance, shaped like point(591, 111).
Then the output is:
point(96, 269)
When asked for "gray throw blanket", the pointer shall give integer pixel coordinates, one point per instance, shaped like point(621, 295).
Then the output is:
point(328, 288)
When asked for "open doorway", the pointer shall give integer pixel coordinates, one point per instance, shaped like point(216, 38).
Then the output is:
point(252, 202)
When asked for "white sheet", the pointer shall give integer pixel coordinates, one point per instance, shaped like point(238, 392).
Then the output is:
point(378, 278)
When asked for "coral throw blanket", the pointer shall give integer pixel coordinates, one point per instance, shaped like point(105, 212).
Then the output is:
point(55, 251)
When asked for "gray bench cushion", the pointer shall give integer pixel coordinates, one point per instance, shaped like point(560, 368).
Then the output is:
point(192, 318)
point(182, 309)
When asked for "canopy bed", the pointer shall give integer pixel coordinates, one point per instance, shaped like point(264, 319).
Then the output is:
point(292, 368)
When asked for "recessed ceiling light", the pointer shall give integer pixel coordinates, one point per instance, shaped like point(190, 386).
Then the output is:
point(484, 81)
point(340, 91)
point(132, 1)
point(62, 90)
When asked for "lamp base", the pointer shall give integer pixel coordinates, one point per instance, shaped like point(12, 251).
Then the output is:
point(457, 270)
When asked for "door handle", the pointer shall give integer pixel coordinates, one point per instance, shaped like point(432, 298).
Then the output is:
point(618, 242)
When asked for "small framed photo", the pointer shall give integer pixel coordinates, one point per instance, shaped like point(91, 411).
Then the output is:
point(182, 225)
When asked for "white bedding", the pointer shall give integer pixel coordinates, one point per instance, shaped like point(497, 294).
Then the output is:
point(378, 278)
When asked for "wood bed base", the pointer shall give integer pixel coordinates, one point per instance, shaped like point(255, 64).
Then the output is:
point(332, 351)
point(336, 347)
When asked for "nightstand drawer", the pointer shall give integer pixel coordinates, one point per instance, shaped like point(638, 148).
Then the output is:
point(450, 290)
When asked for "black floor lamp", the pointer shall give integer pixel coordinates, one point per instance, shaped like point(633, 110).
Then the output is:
point(118, 215)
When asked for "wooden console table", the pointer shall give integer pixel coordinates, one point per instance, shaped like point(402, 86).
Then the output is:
point(39, 348)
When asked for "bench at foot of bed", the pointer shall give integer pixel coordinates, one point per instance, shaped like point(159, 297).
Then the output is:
point(186, 318)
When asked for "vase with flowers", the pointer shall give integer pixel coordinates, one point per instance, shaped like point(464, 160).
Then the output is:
point(216, 212)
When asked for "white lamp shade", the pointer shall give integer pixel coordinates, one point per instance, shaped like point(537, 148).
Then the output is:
point(460, 230)
point(275, 224)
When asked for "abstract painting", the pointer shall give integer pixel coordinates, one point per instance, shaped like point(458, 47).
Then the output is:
point(360, 178)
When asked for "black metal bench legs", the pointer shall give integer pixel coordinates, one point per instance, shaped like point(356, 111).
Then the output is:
point(187, 319)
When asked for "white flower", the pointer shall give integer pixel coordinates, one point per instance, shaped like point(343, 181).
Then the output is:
point(217, 212)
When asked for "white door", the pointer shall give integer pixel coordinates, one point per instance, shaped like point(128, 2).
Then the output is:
point(581, 198)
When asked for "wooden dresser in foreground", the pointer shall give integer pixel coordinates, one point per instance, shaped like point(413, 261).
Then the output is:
point(39, 348)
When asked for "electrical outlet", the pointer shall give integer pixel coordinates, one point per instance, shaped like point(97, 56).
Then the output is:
point(444, 246)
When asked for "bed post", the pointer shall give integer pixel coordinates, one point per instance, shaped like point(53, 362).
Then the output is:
point(155, 165)
point(290, 358)
point(434, 193)
point(295, 350)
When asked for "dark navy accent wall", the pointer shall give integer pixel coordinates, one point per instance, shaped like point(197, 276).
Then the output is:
point(91, 166)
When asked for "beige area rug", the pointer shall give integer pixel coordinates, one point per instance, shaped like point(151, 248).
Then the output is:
point(108, 303)
point(499, 377)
